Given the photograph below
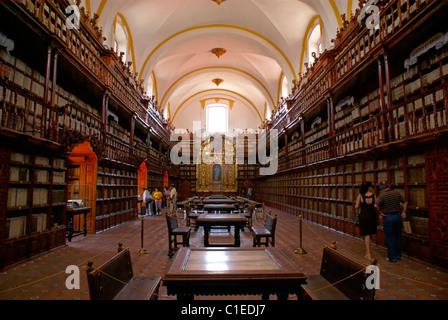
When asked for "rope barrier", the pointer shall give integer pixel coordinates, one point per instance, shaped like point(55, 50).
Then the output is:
point(82, 265)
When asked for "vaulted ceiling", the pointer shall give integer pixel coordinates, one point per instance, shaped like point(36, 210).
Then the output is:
point(170, 44)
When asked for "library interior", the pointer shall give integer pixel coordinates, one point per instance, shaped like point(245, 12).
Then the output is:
point(223, 149)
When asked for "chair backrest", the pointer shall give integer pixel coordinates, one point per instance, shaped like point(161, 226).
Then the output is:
point(187, 210)
point(337, 266)
point(106, 281)
point(270, 223)
point(171, 221)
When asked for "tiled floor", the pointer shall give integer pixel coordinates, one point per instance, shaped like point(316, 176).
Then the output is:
point(44, 277)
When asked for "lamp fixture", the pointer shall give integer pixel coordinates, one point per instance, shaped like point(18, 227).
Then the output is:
point(218, 52)
point(217, 81)
point(218, 1)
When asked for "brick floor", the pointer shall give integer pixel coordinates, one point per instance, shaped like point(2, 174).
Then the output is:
point(43, 277)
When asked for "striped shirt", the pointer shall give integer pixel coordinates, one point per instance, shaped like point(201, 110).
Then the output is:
point(389, 201)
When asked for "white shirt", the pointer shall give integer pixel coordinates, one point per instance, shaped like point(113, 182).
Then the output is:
point(173, 193)
point(146, 196)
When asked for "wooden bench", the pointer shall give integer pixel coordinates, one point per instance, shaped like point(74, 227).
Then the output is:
point(327, 285)
point(114, 280)
point(267, 232)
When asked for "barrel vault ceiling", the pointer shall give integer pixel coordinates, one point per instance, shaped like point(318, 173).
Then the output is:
point(170, 45)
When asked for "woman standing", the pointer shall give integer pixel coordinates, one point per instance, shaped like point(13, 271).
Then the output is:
point(158, 200)
point(367, 216)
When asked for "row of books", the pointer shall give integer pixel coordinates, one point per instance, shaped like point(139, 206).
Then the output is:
point(16, 226)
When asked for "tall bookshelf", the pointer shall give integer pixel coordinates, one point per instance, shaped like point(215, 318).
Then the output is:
point(34, 220)
point(117, 193)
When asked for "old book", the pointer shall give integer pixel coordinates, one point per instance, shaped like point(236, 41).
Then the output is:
point(42, 176)
point(42, 161)
point(15, 227)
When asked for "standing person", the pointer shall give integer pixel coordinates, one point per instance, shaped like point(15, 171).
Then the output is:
point(249, 193)
point(146, 199)
point(367, 216)
point(388, 203)
point(158, 196)
point(173, 198)
point(167, 198)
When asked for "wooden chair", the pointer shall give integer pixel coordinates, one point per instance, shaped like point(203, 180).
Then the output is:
point(173, 232)
point(250, 215)
point(267, 232)
point(191, 217)
point(114, 280)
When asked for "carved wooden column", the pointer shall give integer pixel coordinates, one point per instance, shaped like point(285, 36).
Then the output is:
point(330, 111)
point(131, 141)
point(53, 120)
point(105, 107)
point(47, 74)
point(302, 133)
point(383, 109)
point(389, 97)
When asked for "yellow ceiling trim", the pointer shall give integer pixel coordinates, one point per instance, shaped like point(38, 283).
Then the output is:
point(217, 67)
point(155, 85)
point(349, 9)
point(217, 26)
point(265, 110)
point(280, 82)
point(100, 8)
point(88, 8)
point(213, 90)
point(305, 38)
point(130, 40)
point(336, 12)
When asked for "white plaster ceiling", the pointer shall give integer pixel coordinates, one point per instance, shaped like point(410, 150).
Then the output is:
point(172, 39)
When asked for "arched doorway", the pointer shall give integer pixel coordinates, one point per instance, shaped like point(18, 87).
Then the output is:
point(82, 166)
point(142, 181)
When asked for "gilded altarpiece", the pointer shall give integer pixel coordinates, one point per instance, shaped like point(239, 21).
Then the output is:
point(220, 175)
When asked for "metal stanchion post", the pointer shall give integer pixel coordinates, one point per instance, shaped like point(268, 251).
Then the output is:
point(142, 250)
point(300, 249)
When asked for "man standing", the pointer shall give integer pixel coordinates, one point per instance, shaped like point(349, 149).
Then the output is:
point(249, 193)
point(173, 198)
point(388, 204)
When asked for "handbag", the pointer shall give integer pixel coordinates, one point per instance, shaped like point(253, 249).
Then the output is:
point(356, 219)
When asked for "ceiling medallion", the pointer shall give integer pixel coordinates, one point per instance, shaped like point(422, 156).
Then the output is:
point(217, 81)
point(218, 1)
point(218, 52)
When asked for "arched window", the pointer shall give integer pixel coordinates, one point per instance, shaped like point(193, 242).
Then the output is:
point(285, 88)
point(217, 118)
point(121, 39)
point(315, 43)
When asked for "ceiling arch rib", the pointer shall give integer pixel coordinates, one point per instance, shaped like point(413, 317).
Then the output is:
point(274, 31)
point(217, 94)
point(210, 70)
point(202, 82)
point(215, 29)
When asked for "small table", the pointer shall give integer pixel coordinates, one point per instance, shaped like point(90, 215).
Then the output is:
point(71, 212)
point(221, 220)
point(233, 271)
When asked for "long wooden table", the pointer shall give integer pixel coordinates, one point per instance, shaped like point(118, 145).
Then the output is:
point(233, 271)
point(222, 220)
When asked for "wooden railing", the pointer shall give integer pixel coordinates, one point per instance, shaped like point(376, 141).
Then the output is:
point(88, 51)
point(415, 114)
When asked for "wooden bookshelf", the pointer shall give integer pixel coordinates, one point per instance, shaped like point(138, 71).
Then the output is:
point(117, 193)
point(33, 220)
